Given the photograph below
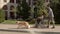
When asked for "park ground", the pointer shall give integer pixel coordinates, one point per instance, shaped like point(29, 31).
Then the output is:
point(14, 27)
point(11, 29)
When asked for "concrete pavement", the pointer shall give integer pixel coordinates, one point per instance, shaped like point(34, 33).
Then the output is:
point(7, 32)
point(12, 28)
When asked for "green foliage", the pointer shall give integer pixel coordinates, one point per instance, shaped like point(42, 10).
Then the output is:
point(23, 9)
point(2, 15)
point(40, 8)
point(54, 1)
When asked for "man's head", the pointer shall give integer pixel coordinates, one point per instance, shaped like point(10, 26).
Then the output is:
point(48, 5)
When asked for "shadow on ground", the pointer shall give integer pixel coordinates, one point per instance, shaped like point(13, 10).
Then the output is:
point(48, 33)
point(13, 30)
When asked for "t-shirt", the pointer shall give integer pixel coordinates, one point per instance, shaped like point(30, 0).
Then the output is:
point(50, 12)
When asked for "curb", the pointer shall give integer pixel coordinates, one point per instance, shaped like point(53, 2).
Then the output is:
point(15, 30)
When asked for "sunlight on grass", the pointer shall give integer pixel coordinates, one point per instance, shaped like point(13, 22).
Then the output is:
point(9, 22)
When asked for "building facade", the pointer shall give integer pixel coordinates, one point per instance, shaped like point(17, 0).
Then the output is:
point(9, 5)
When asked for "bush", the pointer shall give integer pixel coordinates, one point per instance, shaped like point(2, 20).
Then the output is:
point(2, 16)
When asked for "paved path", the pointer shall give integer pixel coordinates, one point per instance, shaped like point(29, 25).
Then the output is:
point(12, 27)
point(6, 32)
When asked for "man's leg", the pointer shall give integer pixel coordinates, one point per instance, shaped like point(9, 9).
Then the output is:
point(48, 24)
point(53, 22)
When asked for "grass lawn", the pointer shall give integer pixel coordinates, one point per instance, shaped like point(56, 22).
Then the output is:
point(13, 22)
point(9, 22)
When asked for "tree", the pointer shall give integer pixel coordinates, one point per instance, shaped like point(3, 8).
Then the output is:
point(23, 9)
point(2, 15)
point(40, 8)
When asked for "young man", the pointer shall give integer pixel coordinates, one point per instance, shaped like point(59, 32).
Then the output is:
point(50, 17)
